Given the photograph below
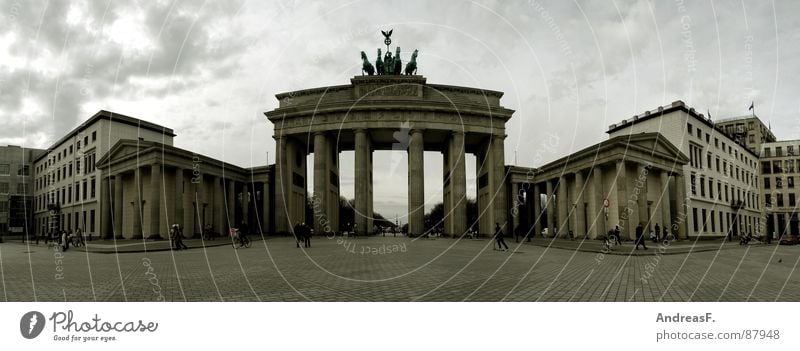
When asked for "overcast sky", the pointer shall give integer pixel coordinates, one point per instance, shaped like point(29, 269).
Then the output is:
point(210, 69)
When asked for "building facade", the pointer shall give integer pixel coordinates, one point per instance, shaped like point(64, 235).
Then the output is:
point(67, 187)
point(721, 177)
point(779, 172)
point(16, 190)
point(747, 130)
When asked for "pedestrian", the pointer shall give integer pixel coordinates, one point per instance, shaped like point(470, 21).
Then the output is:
point(498, 236)
point(64, 240)
point(658, 232)
point(306, 236)
point(179, 238)
point(79, 235)
point(298, 234)
point(640, 236)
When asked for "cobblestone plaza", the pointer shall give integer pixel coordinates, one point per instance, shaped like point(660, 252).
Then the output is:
point(401, 269)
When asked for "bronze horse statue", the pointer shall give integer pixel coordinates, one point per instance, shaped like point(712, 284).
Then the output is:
point(366, 66)
point(379, 64)
point(398, 64)
point(411, 67)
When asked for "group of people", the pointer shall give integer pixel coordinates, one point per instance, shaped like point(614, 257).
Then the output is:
point(302, 233)
point(63, 238)
point(176, 237)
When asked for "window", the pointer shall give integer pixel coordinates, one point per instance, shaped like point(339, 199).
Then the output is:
point(93, 188)
point(717, 160)
point(3, 189)
point(789, 150)
point(84, 190)
point(779, 199)
point(22, 189)
point(768, 199)
point(708, 138)
point(710, 188)
point(791, 200)
point(24, 171)
point(766, 183)
point(694, 218)
point(716, 143)
point(765, 168)
point(788, 166)
point(702, 187)
point(778, 151)
point(78, 146)
point(708, 160)
point(94, 136)
point(5, 169)
point(694, 184)
point(713, 222)
point(790, 182)
point(752, 139)
point(699, 134)
point(689, 128)
point(91, 223)
point(777, 168)
point(86, 140)
point(705, 220)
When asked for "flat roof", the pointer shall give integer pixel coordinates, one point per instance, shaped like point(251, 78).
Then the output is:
point(677, 105)
point(111, 116)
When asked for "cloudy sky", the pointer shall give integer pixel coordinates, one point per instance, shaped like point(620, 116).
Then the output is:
point(569, 68)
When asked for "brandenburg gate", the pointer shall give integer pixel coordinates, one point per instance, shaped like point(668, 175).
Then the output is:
point(382, 112)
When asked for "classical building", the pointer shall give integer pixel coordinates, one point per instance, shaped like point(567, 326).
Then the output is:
point(389, 113)
point(68, 193)
point(624, 181)
point(721, 177)
point(779, 171)
point(16, 190)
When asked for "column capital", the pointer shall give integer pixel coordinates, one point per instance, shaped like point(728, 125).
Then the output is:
point(360, 130)
point(321, 132)
point(499, 136)
point(417, 130)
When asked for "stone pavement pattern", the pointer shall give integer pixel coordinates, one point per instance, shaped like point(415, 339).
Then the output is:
point(424, 270)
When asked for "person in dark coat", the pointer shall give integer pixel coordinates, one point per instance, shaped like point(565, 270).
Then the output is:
point(306, 235)
point(640, 236)
point(298, 234)
point(658, 232)
point(498, 236)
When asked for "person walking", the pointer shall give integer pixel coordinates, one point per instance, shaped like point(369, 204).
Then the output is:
point(64, 240)
point(79, 235)
point(658, 232)
point(179, 238)
point(298, 234)
point(498, 236)
point(640, 236)
point(306, 236)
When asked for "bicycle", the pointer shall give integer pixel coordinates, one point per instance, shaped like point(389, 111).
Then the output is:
point(77, 242)
point(241, 239)
point(610, 241)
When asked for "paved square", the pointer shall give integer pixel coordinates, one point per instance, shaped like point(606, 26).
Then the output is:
point(401, 269)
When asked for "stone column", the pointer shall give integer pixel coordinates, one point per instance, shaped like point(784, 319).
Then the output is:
point(624, 220)
point(563, 207)
point(682, 206)
point(550, 208)
point(361, 181)
point(282, 188)
point(514, 200)
point(580, 210)
point(105, 207)
point(178, 204)
point(416, 183)
point(217, 207)
point(320, 182)
point(499, 168)
point(458, 179)
point(595, 203)
point(537, 212)
point(137, 203)
point(118, 205)
point(155, 201)
point(231, 203)
point(641, 199)
point(666, 215)
point(265, 209)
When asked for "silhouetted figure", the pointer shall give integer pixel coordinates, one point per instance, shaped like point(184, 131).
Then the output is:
point(640, 236)
point(498, 236)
